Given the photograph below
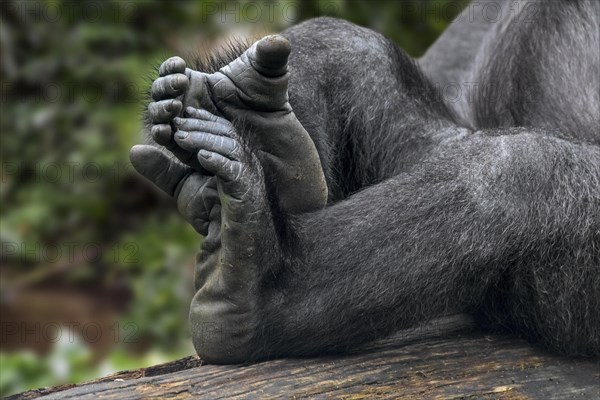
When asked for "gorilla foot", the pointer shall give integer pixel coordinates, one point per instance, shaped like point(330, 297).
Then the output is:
point(252, 93)
point(227, 204)
point(223, 313)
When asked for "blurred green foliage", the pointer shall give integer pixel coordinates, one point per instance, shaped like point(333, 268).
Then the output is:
point(73, 80)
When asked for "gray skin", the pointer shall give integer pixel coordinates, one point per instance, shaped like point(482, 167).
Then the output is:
point(252, 92)
point(222, 194)
point(493, 209)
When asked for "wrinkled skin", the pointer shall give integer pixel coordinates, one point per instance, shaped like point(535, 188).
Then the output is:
point(252, 92)
point(341, 198)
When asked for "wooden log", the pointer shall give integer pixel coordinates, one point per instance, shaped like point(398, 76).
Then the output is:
point(418, 364)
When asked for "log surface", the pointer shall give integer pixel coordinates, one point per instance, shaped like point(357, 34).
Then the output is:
point(462, 365)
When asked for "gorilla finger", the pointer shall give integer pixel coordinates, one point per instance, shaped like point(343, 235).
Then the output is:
point(201, 226)
point(204, 115)
point(158, 167)
point(162, 134)
point(198, 125)
point(222, 167)
point(173, 65)
point(191, 203)
point(169, 86)
point(210, 196)
point(215, 213)
point(164, 111)
point(188, 158)
point(196, 141)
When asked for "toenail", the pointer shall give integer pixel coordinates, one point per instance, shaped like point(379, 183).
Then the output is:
point(181, 134)
point(176, 82)
point(205, 153)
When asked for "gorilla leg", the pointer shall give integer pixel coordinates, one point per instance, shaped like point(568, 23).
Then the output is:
point(518, 243)
point(522, 63)
point(451, 57)
point(364, 102)
point(518, 237)
point(450, 62)
point(515, 214)
point(551, 78)
point(454, 221)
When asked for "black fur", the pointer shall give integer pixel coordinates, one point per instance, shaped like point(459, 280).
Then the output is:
point(494, 211)
point(211, 61)
point(489, 205)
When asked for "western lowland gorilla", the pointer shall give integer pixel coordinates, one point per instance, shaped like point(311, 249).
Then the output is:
point(342, 196)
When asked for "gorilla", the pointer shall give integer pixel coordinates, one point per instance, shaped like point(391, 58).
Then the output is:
point(342, 195)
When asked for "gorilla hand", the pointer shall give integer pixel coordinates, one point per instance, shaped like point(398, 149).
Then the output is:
point(195, 193)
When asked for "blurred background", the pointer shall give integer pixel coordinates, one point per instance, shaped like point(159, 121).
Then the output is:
point(96, 265)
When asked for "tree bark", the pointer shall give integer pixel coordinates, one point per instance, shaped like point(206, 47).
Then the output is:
point(441, 361)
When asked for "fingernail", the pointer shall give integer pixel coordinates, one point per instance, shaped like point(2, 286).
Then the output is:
point(181, 134)
point(172, 105)
point(204, 153)
point(177, 121)
point(179, 81)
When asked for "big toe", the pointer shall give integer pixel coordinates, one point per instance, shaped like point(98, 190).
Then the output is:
point(271, 55)
point(173, 65)
point(158, 167)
